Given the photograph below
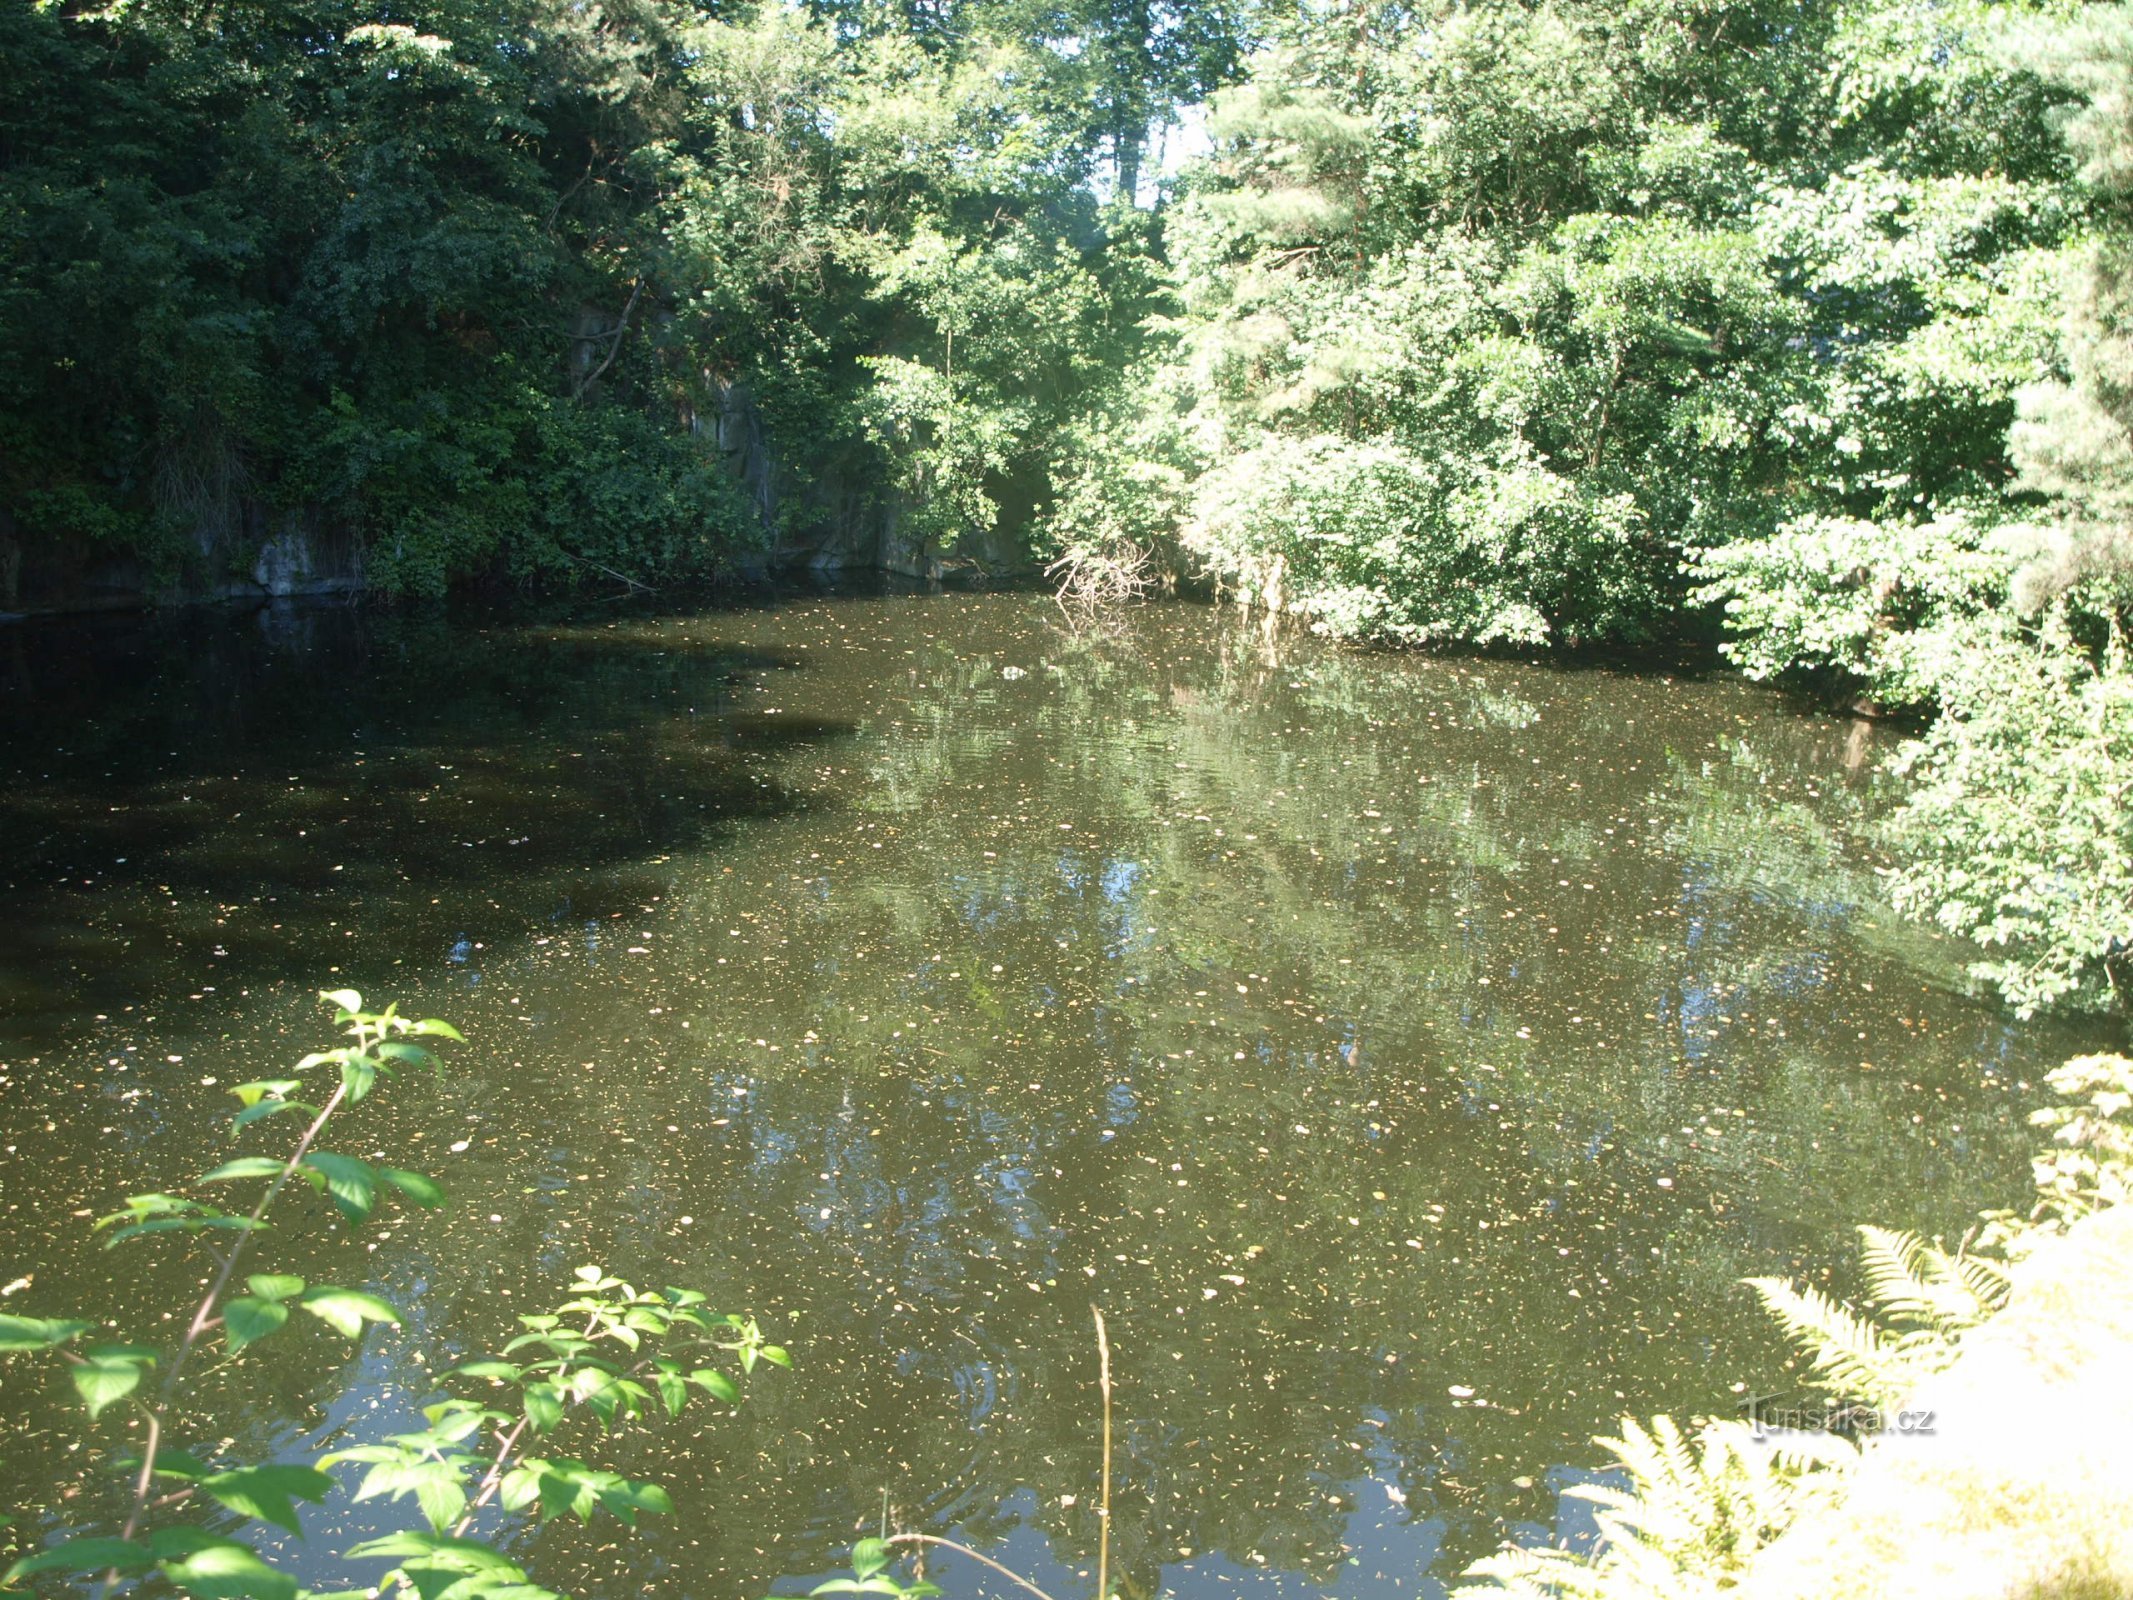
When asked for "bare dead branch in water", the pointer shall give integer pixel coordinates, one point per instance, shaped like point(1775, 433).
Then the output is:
point(1093, 580)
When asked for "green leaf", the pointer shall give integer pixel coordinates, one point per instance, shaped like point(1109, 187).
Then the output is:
point(487, 1369)
point(352, 1183)
point(673, 1392)
point(346, 1310)
point(520, 1488)
point(109, 1372)
point(244, 1167)
point(776, 1356)
point(227, 1571)
point(37, 1333)
point(269, 1492)
point(437, 1550)
point(251, 1094)
point(441, 1496)
point(544, 1407)
point(714, 1382)
point(176, 1464)
point(245, 1321)
point(348, 1000)
point(140, 1206)
point(175, 1543)
point(408, 1055)
point(437, 1028)
point(869, 1556)
point(275, 1285)
point(358, 1074)
point(424, 1191)
point(267, 1108)
point(84, 1555)
point(200, 1222)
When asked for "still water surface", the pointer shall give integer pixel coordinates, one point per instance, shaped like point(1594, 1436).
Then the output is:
point(1410, 1056)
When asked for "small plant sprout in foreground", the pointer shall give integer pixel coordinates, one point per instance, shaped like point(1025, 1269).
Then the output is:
point(609, 1350)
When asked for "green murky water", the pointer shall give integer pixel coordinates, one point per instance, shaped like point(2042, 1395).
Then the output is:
point(1410, 1056)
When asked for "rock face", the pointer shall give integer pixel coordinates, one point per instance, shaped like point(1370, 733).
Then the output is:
point(2024, 1488)
point(832, 523)
point(827, 523)
point(297, 560)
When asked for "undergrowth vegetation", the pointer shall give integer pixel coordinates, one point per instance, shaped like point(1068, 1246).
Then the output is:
point(608, 1352)
point(1701, 1501)
point(1800, 331)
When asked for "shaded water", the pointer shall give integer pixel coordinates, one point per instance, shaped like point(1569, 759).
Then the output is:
point(1410, 1056)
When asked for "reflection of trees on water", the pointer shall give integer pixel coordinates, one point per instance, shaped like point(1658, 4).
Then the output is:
point(1429, 1042)
point(1333, 1020)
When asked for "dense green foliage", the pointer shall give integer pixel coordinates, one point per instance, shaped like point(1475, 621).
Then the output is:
point(1522, 323)
point(471, 287)
point(1559, 323)
point(1492, 319)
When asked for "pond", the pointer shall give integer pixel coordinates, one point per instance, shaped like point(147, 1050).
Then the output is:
point(1410, 1056)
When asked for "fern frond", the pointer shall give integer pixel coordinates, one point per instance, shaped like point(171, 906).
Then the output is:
point(1912, 1281)
point(1696, 1509)
point(1987, 1280)
point(1852, 1358)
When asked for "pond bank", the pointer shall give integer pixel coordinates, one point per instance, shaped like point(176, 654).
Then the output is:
point(2024, 1490)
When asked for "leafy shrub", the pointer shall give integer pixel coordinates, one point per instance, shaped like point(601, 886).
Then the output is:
point(608, 1350)
point(1372, 540)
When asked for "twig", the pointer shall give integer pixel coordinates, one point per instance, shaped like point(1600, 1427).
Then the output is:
point(615, 342)
point(204, 1318)
point(964, 1550)
point(1103, 1533)
point(619, 577)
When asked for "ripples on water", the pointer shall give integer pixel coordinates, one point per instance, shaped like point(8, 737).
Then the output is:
point(1410, 1055)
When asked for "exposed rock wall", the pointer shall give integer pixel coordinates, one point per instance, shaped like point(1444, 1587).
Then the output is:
point(254, 553)
point(830, 522)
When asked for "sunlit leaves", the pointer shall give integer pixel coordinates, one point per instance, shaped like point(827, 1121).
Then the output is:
point(589, 1362)
point(431, 1464)
point(84, 1555)
point(203, 1564)
point(245, 1320)
point(166, 1213)
point(717, 1385)
point(267, 1097)
point(254, 1316)
point(107, 1373)
point(872, 1573)
point(37, 1333)
point(502, 1370)
point(346, 1310)
point(544, 1406)
point(443, 1568)
point(424, 1191)
point(352, 1183)
point(269, 1492)
point(217, 1568)
point(245, 1167)
point(571, 1488)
